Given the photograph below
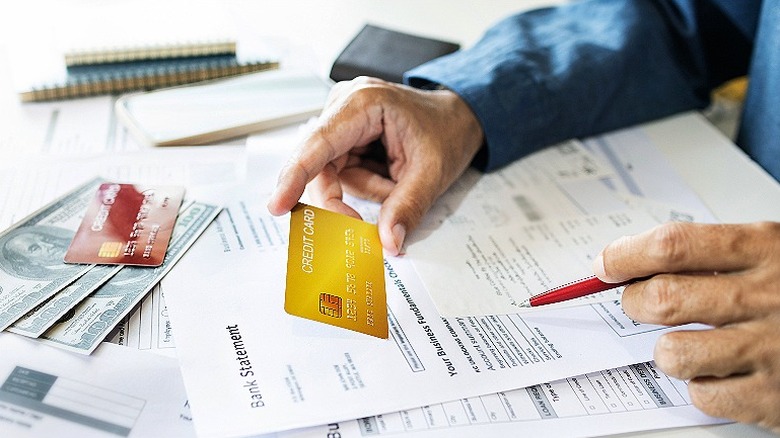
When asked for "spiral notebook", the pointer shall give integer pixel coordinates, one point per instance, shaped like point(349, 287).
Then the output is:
point(123, 69)
point(98, 55)
point(147, 75)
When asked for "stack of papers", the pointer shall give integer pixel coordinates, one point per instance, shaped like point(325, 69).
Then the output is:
point(270, 372)
point(461, 360)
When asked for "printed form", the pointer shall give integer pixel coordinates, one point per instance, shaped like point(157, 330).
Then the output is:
point(481, 271)
point(117, 392)
point(618, 400)
point(494, 241)
point(268, 371)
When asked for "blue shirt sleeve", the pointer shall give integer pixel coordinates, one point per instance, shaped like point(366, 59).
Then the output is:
point(591, 66)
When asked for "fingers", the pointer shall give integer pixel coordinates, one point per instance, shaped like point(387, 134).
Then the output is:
point(309, 160)
point(353, 123)
point(710, 299)
point(678, 247)
point(327, 193)
point(751, 398)
point(403, 203)
point(289, 189)
point(428, 139)
point(738, 266)
point(404, 208)
point(366, 183)
point(717, 353)
point(722, 275)
point(733, 370)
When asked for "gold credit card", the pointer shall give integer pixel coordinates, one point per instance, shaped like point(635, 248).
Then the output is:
point(127, 224)
point(335, 271)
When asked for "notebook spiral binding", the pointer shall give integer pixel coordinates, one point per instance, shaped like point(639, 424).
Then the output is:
point(151, 52)
point(112, 78)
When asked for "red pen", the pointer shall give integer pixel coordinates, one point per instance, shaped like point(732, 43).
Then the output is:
point(577, 289)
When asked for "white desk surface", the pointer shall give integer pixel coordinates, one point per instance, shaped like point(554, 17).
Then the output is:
point(314, 31)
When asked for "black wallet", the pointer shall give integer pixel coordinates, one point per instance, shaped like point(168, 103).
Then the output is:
point(386, 54)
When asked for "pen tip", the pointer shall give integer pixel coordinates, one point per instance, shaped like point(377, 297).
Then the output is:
point(525, 303)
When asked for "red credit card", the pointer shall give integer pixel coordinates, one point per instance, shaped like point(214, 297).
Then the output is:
point(127, 224)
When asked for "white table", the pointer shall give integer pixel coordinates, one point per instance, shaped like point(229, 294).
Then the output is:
point(313, 32)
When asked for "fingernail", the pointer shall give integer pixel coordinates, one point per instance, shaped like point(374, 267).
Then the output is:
point(399, 234)
point(598, 267)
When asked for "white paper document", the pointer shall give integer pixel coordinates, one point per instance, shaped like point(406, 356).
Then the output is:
point(497, 240)
point(251, 368)
point(480, 271)
point(64, 128)
point(642, 171)
point(36, 180)
point(618, 400)
point(564, 180)
point(116, 392)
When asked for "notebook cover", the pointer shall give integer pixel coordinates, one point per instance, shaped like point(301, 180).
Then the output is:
point(386, 54)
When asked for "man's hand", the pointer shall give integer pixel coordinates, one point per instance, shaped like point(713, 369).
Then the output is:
point(428, 139)
point(726, 276)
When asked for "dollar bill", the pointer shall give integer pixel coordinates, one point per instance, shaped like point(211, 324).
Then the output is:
point(147, 326)
point(44, 315)
point(32, 252)
point(99, 313)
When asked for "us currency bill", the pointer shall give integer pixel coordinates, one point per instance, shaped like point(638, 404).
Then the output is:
point(44, 315)
point(148, 326)
point(32, 251)
point(93, 318)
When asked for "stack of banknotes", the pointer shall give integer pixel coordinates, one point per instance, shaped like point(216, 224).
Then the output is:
point(75, 306)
